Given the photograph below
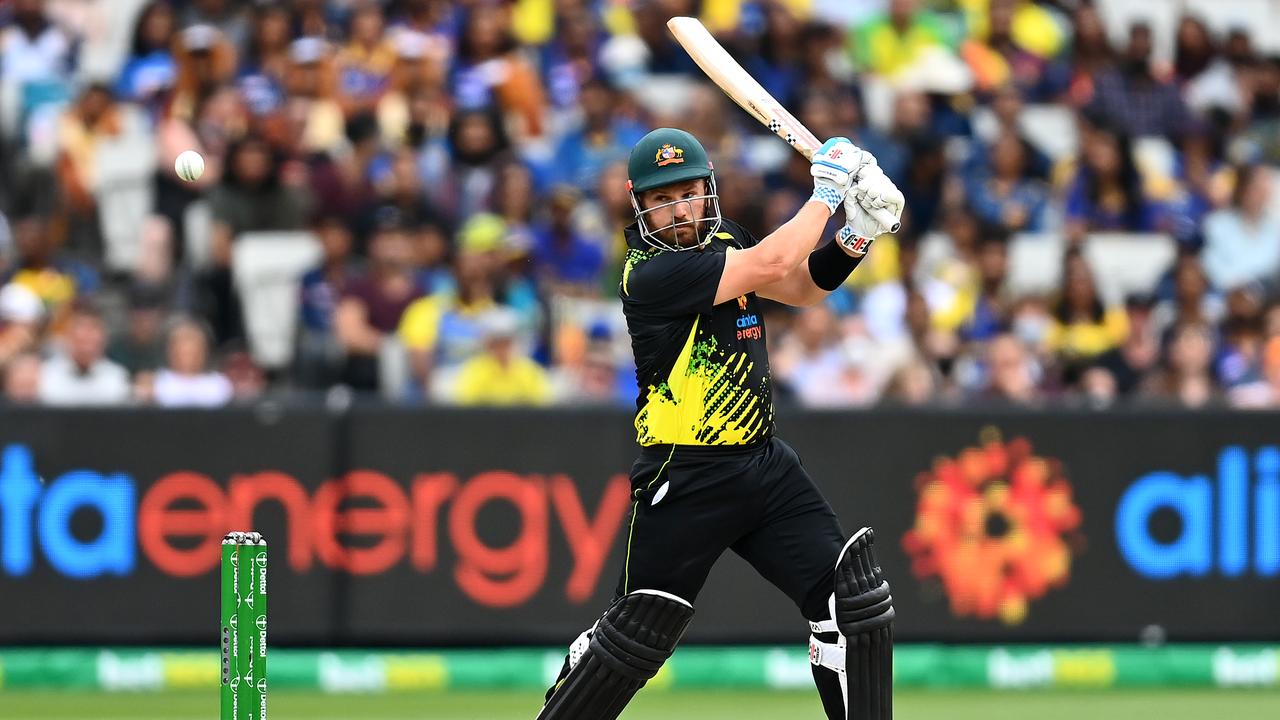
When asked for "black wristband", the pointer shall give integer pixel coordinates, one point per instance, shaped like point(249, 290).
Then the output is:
point(829, 266)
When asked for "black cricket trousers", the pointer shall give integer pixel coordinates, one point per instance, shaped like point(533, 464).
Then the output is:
point(691, 503)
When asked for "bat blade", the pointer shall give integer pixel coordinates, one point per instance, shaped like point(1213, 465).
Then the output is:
point(718, 65)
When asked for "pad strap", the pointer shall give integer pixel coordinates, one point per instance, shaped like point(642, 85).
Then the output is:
point(824, 626)
point(827, 655)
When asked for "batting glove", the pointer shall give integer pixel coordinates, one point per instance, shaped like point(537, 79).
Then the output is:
point(835, 169)
point(873, 190)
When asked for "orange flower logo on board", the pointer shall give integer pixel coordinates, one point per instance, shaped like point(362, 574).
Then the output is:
point(669, 154)
point(996, 525)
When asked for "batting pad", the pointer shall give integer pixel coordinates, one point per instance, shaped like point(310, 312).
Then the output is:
point(627, 647)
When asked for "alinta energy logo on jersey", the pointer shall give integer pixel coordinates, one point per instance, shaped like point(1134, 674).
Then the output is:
point(669, 154)
point(997, 526)
point(748, 323)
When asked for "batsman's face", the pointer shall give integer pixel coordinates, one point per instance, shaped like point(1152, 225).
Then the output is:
point(679, 211)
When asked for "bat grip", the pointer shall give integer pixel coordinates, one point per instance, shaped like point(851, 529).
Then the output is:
point(886, 218)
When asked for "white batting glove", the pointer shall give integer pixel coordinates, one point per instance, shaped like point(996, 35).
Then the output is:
point(875, 191)
point(835, 169)
point(872, 190)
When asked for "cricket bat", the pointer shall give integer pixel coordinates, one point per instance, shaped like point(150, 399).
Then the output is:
point(743, 89)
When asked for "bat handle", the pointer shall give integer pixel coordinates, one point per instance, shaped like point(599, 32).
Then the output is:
point(886, 218)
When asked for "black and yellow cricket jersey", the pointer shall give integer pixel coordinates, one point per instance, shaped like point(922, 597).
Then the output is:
point(703, 370)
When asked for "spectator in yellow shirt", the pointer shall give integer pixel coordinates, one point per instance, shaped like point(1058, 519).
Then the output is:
point(500, 375)
point(887, 44)
point(443, 330)
point(1083, 326)
point(41, 267)
point(1028, 25)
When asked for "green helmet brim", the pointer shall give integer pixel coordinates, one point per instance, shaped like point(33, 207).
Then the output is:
point(670, 177)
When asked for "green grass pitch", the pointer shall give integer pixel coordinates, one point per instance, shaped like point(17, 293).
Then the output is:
point(719, 705)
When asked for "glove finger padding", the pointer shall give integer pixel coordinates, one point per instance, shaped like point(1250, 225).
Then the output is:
point(874, 190)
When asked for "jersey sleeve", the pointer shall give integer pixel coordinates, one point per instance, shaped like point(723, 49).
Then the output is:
point(738, 235)
point(674, 283)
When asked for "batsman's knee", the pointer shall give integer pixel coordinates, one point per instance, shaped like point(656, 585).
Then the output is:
point(863, 603)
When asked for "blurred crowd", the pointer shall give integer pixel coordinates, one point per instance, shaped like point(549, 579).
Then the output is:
point(425, 199)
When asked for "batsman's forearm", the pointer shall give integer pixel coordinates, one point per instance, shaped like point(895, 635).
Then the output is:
point(792, 242)
point(830, 266)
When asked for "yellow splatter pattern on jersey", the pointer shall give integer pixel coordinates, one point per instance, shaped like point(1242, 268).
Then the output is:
point(705, 400)
point(630, 260)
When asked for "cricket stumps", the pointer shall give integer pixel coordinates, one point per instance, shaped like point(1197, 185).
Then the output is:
point(244, 626)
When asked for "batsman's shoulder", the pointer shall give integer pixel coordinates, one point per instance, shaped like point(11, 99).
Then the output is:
point(634, 273)
point(734, 234)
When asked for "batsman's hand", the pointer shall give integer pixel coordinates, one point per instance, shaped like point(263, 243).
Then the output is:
point(873, 190)
point(835, 169)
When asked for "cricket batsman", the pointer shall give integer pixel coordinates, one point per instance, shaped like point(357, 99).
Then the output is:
point(711, 474)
